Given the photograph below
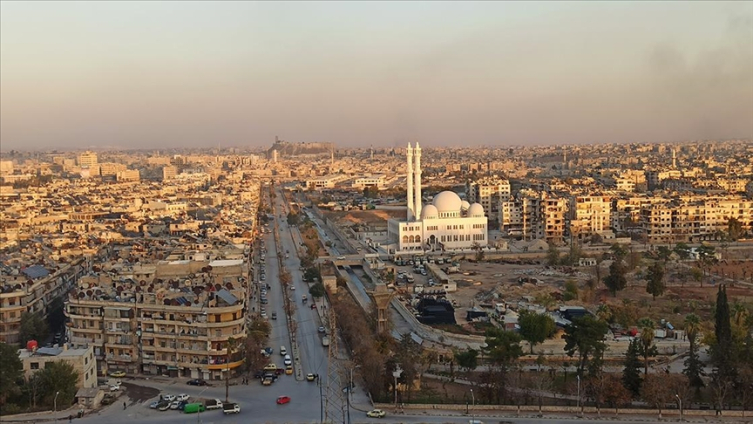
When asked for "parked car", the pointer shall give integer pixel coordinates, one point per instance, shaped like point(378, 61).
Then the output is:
point(174, 404)
point(168, 398)
point(282, 400)
point(164, 406)
point(197, 382)
point(155, 404)
point(182, 396)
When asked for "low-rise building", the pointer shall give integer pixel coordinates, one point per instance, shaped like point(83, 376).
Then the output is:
point(81, 358)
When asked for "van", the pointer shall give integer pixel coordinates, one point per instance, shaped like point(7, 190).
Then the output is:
point(283, 351)
point(192, 408)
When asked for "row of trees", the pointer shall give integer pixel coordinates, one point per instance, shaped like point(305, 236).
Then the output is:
point(55, 384)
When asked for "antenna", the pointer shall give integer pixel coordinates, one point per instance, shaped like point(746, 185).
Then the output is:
point(334, 405)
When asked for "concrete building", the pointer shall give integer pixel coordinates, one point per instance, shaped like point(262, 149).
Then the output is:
point(590, 215)
point(378, 181)
point(327, 181)
point(87, 159)
point(33, 290)
point(173, 318)
point(129, 175)
point(82, 359)
point(169, 172)
point(534, 215)
point(489, 192)
point(447, 223)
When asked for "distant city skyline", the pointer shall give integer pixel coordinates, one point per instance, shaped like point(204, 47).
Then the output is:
point(201, 74)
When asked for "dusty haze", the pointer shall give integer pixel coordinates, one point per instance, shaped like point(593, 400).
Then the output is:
point(148, 74)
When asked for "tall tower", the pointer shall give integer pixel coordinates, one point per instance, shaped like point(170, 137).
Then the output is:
point(409, 180)
point(417, 176)
point(674, 158)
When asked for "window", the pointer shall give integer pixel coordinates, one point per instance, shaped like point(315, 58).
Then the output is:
point(34, 365)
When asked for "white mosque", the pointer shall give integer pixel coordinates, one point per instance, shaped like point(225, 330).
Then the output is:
point(448, 223)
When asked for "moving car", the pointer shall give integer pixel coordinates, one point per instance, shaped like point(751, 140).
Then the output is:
point(191, 408)
point(310, 377)
point(231, 408)
point(313, 306)
point(321, 329)
point(118, 374)
point(287, 360)
point(197, 382)
point(283, 351)
point(283, 400)
point(376, 413)
point(289, 370)
point(214, 404)
point(274, 315)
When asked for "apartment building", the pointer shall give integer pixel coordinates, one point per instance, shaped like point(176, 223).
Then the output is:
point(590, 215)
point(534, 215)
point(693, 220)
point(489, 192)
point(32, 289)
point(169, 172)
point(87, 159)
point(128, 175)
point(81, 359)
point(378, 181)
point(171, 318)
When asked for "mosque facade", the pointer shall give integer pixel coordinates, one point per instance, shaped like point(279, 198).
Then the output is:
point(447, 223)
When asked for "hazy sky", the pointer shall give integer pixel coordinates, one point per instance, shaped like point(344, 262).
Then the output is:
point(149, 74)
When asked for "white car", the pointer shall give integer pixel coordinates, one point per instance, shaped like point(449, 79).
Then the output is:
point(168, 398)
point(174, 404)
point(181, 397)
point(115, 387)
point(292, 287)
point(288, 361)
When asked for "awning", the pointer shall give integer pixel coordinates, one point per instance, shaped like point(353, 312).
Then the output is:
point(172, 368)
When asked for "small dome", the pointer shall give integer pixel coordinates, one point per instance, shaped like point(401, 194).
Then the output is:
point(476, 210)
point(465, 205)
point(448, 201)
point(429, 212)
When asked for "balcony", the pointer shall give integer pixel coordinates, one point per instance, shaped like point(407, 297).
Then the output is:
point(119, 358)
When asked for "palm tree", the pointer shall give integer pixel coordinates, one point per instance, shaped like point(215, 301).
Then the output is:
point(604, 312)
point(692, 327)
point(739, 314)
point(647, 327)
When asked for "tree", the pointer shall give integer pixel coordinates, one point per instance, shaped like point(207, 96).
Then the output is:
point(722, 354)
point(693, 365)
point(631, 375)
point(616, 394)
point(33, 327)
point(616, 279)
point(312, 274)
point(293, 218)
point(317, 290)
point(467, 359)
point(734, 229)
point(646, 347)
point(664, 253)
point(697, 275)
point(571, 290)
point(503, 346)
point(682, 250)
point(618, 251)
point(585, 335)
point(553, 255)
point(535, 328)
point(11, 371)
point(58, 377)
point(655, 279)
point(656, 392)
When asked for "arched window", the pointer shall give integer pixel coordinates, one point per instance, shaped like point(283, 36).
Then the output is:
point(405, 239)
point(418, 239)
point(412, 239)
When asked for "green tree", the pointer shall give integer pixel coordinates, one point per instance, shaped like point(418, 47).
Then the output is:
point(646, 347)
point(664, 253)
point(618, 251)
point(312, 274)
point(571, 290)
point(503, 346)
point(734, 229)
point(655, 279)
point(631, 374)
point(293, 218)
point(317, 290)
point(585, 335)
point(722, 353)
point(467, 359)
point(58, 377)
point(535, 328)
point(682, 250)
point(697, 274)
point(553, 255)
point(616, 280)
point(11, 371)
point(33, 327)
point(693, 365)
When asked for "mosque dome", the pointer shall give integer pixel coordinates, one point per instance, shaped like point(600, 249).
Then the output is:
point(476, 210)
point(448, 201)
point(429, 212)
point(465, 205)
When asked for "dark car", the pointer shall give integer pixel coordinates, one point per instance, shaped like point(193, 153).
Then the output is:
point(259, 374)
point(197, 382)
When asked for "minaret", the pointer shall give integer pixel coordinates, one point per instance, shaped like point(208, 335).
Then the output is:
point(417, 176)
point(409, 180)
point(674, 159)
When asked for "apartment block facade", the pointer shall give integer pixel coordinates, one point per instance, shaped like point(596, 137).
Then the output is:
point(175, 318)
point(489, 192)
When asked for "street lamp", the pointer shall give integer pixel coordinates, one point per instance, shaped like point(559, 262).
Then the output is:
point(397, 373)
point(680, 401)
point(55, 401)
point(578, 376)
point(474, 404)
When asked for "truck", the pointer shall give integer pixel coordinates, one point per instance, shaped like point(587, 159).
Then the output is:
point(231, 408)
point(325, 341)
point(452, 269)
point(213, 404)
